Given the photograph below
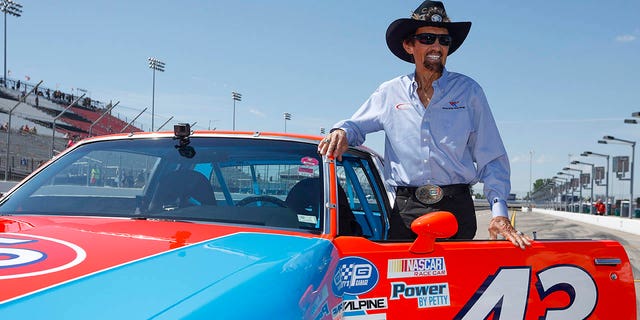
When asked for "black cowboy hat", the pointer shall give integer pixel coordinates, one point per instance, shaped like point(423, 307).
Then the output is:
point(429, 13)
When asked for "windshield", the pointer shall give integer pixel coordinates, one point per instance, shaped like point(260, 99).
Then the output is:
point(229, 180)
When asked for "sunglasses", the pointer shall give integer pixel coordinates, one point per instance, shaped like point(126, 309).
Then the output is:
point(430, 38)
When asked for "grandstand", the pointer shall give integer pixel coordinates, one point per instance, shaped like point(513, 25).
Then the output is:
point(32, 139)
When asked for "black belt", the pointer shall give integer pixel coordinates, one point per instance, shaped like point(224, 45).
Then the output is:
point(430, 194)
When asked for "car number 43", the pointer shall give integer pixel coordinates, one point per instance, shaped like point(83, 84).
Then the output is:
point(505, 293)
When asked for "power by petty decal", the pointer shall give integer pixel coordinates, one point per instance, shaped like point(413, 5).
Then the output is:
point(29, 255)
point(354, 275)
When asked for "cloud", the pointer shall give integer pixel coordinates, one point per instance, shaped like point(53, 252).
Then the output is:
point(257, 113)
point(625, 38)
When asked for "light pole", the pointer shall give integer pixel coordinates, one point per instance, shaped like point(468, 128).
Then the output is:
point(563, 180)
point(570, 184)
point(605, 140)
point(155, 65)
point(287, 116)
point(15, 9)
point(530, 175)
point(606, 192)
point(579, 184)
point(592, 176)
point(236, 97)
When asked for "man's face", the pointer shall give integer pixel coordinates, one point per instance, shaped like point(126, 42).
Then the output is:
point(428, 56)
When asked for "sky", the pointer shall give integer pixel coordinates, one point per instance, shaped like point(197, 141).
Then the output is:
point(558, 75)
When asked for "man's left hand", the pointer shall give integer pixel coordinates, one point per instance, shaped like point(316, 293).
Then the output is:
point(502, 226)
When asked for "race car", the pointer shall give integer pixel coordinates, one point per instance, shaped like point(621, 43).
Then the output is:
point(255, 225)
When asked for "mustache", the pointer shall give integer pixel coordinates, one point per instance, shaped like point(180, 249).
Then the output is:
point(433, 66)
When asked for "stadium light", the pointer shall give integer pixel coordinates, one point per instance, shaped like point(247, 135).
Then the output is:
point(592, 177)
point(155, 65)
point(570, 184)
point(633, 152)
point(566, 193)
point(579, 182)
point(236, 97)
point(15, 9)
point(606, 192)
point(287, 116)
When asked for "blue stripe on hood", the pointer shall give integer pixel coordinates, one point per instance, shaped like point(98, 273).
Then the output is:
point(240, 276)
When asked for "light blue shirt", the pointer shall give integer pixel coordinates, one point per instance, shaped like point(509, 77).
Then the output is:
point(454, 140)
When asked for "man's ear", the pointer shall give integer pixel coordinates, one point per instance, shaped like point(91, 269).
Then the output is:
point(408, 46)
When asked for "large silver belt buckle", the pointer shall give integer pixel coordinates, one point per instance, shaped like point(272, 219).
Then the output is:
point(429, 194)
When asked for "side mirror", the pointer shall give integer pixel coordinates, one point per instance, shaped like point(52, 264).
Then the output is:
point(432, 226)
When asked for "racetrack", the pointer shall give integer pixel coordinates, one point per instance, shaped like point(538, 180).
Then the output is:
point(550, 227)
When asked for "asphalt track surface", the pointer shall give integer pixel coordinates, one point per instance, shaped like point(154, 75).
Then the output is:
point(551, 227)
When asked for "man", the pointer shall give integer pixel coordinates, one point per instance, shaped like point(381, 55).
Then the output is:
point(440, 136)
point(600, 207)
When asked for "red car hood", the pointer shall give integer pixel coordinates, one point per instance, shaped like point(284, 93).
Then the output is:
point(38, 252)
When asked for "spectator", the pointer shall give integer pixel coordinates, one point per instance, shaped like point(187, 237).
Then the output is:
point(600, 207)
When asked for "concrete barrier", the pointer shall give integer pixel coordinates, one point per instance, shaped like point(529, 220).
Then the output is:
point(611, 222)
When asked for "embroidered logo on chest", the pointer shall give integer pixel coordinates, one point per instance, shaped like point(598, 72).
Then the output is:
point(453, 105)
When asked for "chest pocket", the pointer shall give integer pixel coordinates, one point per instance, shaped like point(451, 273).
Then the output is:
point(451, 131)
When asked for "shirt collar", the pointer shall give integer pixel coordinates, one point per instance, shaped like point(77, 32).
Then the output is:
point(440, 84)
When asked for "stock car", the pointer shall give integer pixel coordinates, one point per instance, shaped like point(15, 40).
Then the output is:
point(255, 225)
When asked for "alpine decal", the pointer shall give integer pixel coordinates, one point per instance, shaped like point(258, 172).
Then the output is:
point(30, 255)
point(354, 275)
point(417, 267)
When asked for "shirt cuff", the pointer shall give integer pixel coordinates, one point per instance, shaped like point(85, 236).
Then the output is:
point(499, 208)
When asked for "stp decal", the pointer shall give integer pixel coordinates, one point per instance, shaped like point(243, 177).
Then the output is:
point(354, 275)
point(29, 255)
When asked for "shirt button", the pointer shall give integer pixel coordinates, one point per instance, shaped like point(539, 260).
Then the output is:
point(425, 160)
point(425, 139)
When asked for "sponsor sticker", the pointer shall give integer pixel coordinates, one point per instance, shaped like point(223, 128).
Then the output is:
point(354, 275)
point(428, 295)
point(416, 267)
point(364, 304)
point(375, 316)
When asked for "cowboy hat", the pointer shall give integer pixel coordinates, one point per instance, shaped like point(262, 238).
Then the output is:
point(429, 13)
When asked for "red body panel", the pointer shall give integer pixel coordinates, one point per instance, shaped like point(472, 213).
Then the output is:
point(470, 269)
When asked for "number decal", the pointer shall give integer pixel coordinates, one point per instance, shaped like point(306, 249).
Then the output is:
point(505, 294)
point(17, 257)
point(577, 283)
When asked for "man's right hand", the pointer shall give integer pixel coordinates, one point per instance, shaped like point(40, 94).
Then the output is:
point(335, 143)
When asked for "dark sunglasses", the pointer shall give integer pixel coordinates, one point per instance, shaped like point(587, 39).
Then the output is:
point(430, 38)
